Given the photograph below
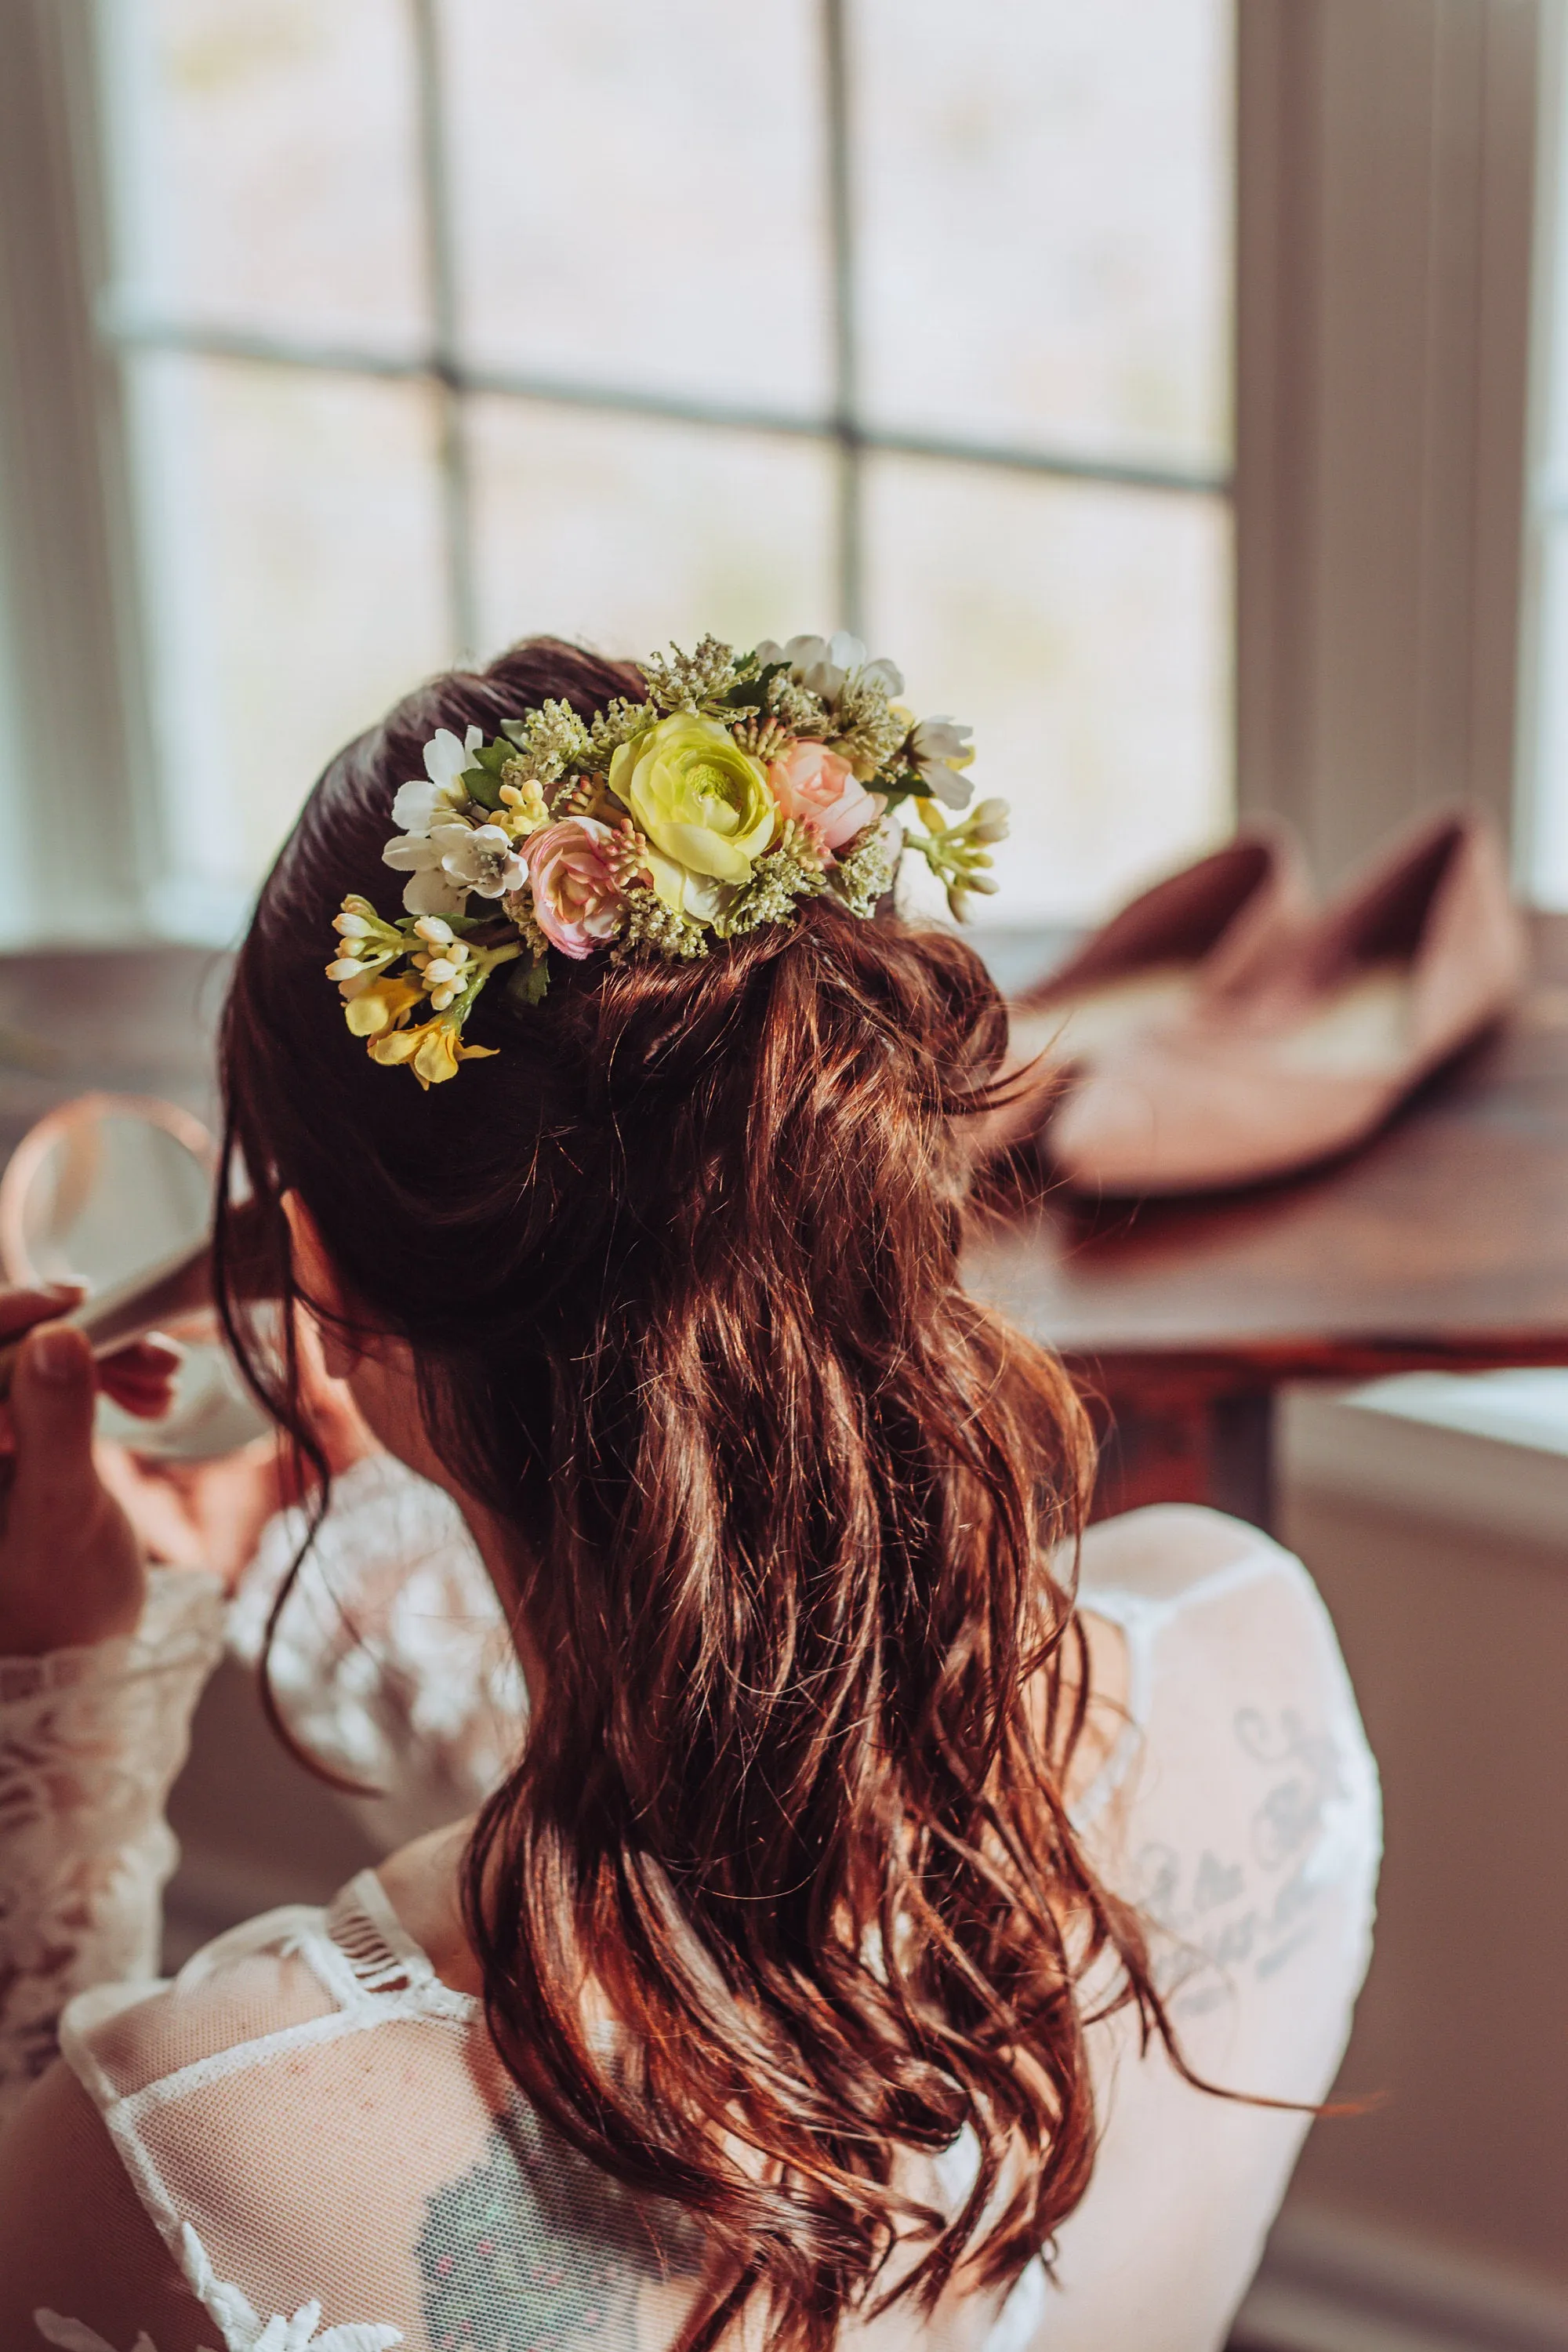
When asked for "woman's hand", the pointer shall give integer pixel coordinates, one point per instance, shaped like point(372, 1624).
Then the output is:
point(210, 1514)
point(72, 1568)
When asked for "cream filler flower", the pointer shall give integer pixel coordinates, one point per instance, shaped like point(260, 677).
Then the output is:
point(702, 803)
point(443, 966)
point(960, 855)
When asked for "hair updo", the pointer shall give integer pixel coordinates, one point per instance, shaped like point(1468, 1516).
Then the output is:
point(679, 1267)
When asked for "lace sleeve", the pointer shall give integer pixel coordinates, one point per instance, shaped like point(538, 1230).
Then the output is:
point(91, 1741)
point(391, 1660)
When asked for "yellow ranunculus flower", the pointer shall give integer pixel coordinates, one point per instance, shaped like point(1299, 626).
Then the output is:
point(700, 799)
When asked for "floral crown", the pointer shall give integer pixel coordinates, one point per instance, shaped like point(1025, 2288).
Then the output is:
point(742, 783)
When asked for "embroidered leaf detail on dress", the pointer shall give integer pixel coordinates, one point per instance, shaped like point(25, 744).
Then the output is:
point(299, 2335)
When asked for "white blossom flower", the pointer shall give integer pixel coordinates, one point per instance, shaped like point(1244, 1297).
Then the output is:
point(432, 888)
point(823, 664)
point(485, 859)
point(419, 805)
point(940, 749)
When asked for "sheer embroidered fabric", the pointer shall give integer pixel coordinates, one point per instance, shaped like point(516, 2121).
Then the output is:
point(316, 2127)
point(391, 1660)
point(90, 1741)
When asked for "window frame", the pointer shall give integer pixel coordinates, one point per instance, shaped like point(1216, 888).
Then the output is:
point(106, 331)
point(1386, 211)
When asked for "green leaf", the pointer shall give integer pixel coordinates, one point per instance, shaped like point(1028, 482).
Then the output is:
point(482, 786)
point(527, 983)
point(750, 693)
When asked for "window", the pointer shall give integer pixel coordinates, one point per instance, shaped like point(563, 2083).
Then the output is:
point(441, 320)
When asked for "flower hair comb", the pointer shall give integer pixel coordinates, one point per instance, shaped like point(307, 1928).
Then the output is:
point(743, 782)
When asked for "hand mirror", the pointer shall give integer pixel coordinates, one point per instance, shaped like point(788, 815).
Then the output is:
point(115, 1191)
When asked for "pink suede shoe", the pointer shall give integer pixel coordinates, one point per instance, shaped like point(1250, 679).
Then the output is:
point(1200, 934)
point(1205, 929)
point(1325, 1039)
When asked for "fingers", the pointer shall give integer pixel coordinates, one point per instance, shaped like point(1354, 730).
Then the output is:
point(19, 1309)
point(198, 1514)
point(52, 1392)
point(141, 1378)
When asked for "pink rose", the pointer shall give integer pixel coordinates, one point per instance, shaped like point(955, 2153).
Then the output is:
point(814, 785)
point(576, 896)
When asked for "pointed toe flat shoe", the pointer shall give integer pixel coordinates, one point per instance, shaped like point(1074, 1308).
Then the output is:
point(1198, 933)
point(1326, 1039)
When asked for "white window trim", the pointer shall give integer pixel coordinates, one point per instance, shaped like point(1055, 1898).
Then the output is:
point(1387, 215)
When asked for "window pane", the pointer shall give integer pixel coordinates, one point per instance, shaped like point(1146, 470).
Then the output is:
point(638, 195)
point(293, 526)
point(625, 533)
point(267, 166)
point(1084, 632)
point(1043, 195)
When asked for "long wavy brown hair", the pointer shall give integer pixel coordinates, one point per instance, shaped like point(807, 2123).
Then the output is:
point(679, 1269)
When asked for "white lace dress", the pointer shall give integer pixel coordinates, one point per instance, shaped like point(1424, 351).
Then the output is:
point(305, 2141)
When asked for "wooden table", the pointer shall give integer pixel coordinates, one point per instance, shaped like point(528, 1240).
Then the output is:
point(1442, 1246)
